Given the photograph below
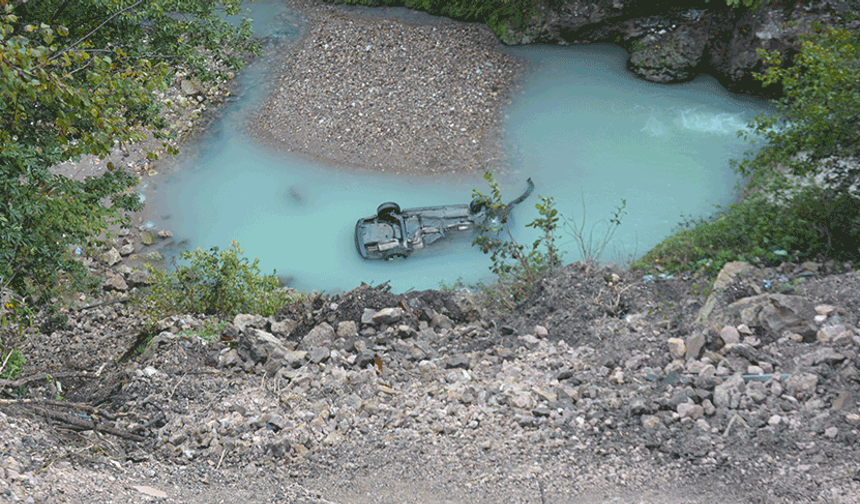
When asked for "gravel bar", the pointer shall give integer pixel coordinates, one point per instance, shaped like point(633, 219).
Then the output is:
point(391, 94)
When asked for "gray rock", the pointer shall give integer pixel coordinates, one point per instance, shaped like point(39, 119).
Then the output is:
point(730, 335)
point(440, 321)
point(462, 307)
point(256, 345)
point(694, 343)
point(367, 316)
point(365, 358)
point(126, 250)
point(794, 314)
point(283, 328)
point(824, 355)
point(111, 257)
point(459, 361)
point(114, 282)
point(319, 336)
point(801, 386)
point(139, 277)
point(319, 354)
point(387, 316)
point(756, 391)
point(728, 393)
point(244, 320)
point(347, 329)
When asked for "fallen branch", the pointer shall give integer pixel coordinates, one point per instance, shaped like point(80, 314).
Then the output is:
point(78, 422)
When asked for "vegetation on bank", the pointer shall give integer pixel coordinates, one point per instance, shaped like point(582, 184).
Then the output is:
point(499, 15)
point(803, 193)
point(81, 78)
point(213, 282)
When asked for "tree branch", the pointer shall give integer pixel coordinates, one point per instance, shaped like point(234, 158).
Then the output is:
point(52, 58)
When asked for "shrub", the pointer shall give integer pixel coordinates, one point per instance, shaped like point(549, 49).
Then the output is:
point(215, 282)
point(813, 224)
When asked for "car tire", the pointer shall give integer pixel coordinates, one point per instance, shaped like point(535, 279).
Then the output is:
point(477, 205)
point(394, 257)
point(385, 210)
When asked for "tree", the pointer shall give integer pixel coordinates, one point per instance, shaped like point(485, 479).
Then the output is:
point(79, 77)
point(816, 130)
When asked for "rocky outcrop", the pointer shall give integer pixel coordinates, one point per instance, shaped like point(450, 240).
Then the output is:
point(668, 43)
point(671, 44)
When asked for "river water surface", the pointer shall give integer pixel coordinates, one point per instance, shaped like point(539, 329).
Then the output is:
point(583, 128)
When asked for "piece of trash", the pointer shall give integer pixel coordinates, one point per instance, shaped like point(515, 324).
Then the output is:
point(152, 492)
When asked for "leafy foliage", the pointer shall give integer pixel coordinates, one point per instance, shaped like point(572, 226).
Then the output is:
point(216, 281)
point(79, 77)
point(11, 364)
point(808, 226)
point(499, 15)
point(818, 124)
point(750, 4)
point(517, 266)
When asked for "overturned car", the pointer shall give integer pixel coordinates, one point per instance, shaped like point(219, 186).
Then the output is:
point(394, 233)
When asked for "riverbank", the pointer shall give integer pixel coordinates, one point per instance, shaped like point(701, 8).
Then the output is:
point(390, 94)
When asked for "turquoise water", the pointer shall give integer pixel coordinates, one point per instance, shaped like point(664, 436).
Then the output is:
point(583, 128)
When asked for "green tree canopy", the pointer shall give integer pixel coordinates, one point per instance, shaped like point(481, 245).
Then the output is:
point(79, 77)
point(817, 127)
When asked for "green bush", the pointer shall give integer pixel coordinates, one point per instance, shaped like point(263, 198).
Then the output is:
point(215, 282)
point(813, 224)
point(499, 15)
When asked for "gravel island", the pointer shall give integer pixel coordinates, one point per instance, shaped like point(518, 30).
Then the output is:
point(390, 94)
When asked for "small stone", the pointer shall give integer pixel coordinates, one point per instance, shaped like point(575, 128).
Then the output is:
point(319, 354)
point(115, 282)
point(730, 335)
point(651, 422)
point(139, 277)
point(164, 233)
point(774, 420)
point(744, 329)
point(347, 329)
point(126, 250)
point(825, 309)
point(321, 335)
point(617, 377)
point(677, 347)
point(801, 386)
point(756, 391)
point(694, 343)
point(852, 419)
point(540, 331)
point(831, 432)
point(757, 370)
point(728, 393)
point(832, 333)
point(147, 238)
point(387, 316)
point(459, 361)
point(111, 257)
point(690, 410)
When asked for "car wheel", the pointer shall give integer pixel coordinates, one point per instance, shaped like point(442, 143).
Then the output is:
point(394, 257)
point(477, 205)
point(385, 210)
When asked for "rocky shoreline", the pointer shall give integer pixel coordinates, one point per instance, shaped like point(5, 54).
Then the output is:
point(391, 95)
